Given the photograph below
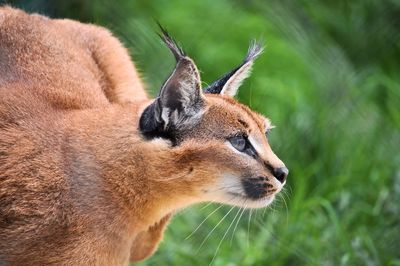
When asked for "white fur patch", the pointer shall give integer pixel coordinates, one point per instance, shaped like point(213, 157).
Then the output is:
point(257, 146)
point(165, 116)
point(161, 142)
point(232, 85)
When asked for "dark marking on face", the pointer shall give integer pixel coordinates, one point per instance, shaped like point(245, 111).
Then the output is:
point(250, 150)
point(243, 123)
point(254, 187)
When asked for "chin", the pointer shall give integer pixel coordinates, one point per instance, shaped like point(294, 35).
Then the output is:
point(243, 201)
point(260, 203)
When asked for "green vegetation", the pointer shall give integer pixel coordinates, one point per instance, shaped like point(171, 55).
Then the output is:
point(329, 79)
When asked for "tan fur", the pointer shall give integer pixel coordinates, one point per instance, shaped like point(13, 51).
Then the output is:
point(79, 185)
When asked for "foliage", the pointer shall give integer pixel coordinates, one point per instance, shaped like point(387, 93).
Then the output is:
point(329, 80)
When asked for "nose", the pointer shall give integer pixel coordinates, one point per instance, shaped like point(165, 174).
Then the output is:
point(281, 173)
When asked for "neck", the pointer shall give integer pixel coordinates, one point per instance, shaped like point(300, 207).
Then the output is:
point(140, 180)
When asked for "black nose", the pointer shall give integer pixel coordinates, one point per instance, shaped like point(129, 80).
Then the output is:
point(281, 174)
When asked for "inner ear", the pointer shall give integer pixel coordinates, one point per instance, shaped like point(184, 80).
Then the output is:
point(180, 103)
point(181, 94)
point(181, 99)
point(230, 82)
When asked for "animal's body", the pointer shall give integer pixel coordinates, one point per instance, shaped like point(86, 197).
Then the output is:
point(91, 168)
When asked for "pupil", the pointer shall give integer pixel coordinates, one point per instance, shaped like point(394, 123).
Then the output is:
point(241, 143)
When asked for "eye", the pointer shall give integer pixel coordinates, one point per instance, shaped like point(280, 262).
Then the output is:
point(239, 142)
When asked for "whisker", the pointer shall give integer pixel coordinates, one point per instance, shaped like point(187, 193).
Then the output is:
point(248, 227)
point(209, 234)
point(208, 216)
point(237, 222)
point(205, 206)
point(265, 209)
point(256, 214)
point(223, 237)
point(288, 190)
point(222, 188)
point(286, 193)
point(287, 210)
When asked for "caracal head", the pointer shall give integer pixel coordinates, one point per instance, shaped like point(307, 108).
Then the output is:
point(224, 143)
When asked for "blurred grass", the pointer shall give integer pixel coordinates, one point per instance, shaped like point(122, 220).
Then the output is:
point(329, 80)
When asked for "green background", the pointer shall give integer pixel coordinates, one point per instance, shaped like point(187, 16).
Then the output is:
point(329, 80)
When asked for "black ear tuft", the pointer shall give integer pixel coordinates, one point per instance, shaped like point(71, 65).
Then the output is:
point(170, 42)
point(231, 81)
point(255, 49)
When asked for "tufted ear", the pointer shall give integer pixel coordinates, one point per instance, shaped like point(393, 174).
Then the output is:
point(230, 82)
point(180, 101)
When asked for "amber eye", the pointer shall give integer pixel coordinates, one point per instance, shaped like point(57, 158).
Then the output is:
point(239, 142)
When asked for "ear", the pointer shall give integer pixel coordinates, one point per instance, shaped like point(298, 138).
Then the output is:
point(180, 101)
point(230, 82)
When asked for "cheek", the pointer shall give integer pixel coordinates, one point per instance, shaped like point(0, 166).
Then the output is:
point(231, 182)
point(211, 161)
point(240, 163)
point(237, 157)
